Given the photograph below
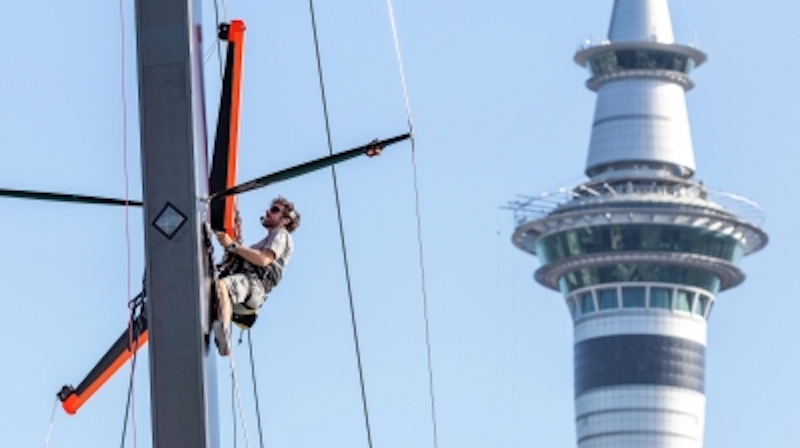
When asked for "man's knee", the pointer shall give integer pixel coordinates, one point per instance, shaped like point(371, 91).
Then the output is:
point(236, 288)
point(222, 290)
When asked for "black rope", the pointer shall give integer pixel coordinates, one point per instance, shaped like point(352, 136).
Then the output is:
point(341, 226)
point(255, 388)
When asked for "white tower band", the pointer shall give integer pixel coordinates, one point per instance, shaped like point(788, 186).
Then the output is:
point(640, 250)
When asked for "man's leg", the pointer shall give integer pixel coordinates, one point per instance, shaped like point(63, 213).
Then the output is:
point(225, 307)
point(222, 326)
point(232, 290)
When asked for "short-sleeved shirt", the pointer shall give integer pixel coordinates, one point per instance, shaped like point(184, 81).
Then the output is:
point(248, 285)
point(281, 244)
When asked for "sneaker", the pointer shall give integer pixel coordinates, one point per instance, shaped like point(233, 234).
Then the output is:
point(221, 338)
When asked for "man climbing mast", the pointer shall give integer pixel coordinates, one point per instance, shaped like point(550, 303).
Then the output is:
point(248, 274)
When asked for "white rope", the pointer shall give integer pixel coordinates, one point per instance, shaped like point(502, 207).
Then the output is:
point(238, 396)
point(216, 43)
point(225, 10)
point(423, 282)
point(209, 53)
point(50, 426)
point(400, 65)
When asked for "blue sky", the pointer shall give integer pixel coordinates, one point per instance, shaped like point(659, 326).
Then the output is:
point(499, 109)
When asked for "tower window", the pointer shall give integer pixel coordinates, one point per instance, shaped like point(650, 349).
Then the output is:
point(638, 272)
point(587, 303)
point(607, 298)
point(619, 60)
point(573, 310)
point(661, 298)
point(633, 296)
point(638, 237)
point(702, 305)
point(684, 300)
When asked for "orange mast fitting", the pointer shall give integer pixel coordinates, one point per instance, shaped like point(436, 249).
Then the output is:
point(226, 144)
point(119, 353)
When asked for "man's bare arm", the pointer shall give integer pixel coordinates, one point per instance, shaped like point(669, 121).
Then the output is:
point(257, 257)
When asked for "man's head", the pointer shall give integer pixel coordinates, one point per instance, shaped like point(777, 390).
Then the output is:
point(281, 213)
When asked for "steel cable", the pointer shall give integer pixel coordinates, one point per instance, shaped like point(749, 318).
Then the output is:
point(418, 222)
point(341, 227)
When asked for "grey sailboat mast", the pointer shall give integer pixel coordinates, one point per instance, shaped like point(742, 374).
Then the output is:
point(173, 144)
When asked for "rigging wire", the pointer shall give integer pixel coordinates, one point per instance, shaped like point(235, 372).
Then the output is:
point(50, 425)
point(255, 387)
point(423, 281)
point(129, 403)
point(209, 53)
point(341, 226)
point(217, 39)
point(124, 96)
point(233, 414)
point(135, 305)
point(238, 399)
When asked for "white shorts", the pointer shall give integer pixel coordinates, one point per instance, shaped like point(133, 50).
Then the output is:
point(246, 292)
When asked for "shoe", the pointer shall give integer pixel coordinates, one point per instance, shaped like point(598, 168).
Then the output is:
point(221, 338)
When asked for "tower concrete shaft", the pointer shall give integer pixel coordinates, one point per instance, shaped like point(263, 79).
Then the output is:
point(640, 250)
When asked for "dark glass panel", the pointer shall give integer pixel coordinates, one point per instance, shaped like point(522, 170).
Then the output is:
point(702, 305)
point(620, 60)
point(587, 303)
point(661, 298)
point(633, 296)
point(573, 311)
point(635, 359)
point(607, 298)
point(638, 237)
point(684, 300)
point(631, 272)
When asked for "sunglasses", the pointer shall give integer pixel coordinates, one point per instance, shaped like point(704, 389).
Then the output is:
point(275, 209)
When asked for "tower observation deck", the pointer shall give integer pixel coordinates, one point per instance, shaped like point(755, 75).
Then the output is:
point(641, 250)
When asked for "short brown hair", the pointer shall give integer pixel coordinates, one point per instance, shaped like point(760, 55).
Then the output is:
point(289, 212)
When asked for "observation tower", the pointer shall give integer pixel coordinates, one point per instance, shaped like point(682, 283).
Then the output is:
point(641, 250)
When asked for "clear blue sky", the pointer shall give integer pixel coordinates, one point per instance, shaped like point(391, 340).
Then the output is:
point(499, 108)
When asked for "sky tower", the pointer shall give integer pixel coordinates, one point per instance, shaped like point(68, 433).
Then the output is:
point(641, 249)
